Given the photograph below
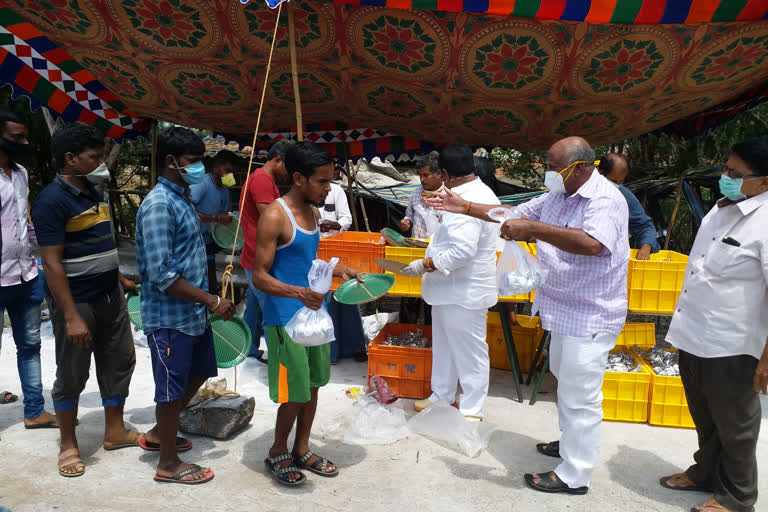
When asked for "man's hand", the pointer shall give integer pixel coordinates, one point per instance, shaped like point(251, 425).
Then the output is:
point(516, 229)
point(128, 285)
point(644, 253)
point(405, 225)
point(347, 273)
point(312, 300)
point(448, 201)
point(223, 218)
point(77, 332)
point(225, 308)
point(415, 269)
point(329, 225)
point(761, 376)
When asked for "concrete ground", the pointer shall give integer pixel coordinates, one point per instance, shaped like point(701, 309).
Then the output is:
point(412, 474)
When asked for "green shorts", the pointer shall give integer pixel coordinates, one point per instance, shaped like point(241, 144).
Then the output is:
point(294, 369)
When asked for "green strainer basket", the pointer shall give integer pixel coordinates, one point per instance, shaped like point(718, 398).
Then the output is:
point(133, 303)
point(355, 292)
point(394, 238)
point(224, 234)
point(231, 340)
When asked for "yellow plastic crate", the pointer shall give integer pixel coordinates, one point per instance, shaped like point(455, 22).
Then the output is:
point(667, 404)
point(637, 334)
point(655, 285)
point(527, 337)
point(411, 286)
point(625, 395)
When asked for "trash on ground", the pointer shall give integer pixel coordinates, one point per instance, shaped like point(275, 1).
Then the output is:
point(375, 423)
point(443, 422)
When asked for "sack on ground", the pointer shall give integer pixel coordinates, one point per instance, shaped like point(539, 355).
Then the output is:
point(310, 327)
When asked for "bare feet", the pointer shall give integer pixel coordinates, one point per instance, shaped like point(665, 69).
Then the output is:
point(170, 471)
point(70, 464)
point(45, 420)
point(537, 477)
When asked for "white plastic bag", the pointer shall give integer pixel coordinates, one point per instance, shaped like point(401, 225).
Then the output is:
point(517, 272)
point(310, 327)
point(444, 422)
point(375, 423)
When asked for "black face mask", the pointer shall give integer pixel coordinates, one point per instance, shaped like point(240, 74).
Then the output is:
point(13, 149)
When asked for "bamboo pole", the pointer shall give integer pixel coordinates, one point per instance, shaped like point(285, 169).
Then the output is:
point(153, 167)
point(294, 72)
point(350, 192)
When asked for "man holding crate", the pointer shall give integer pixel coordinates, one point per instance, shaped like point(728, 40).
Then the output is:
point(721, 328)
point(581, 232)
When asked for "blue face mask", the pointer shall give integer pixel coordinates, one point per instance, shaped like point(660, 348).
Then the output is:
point(193, 173)
point(731, 188)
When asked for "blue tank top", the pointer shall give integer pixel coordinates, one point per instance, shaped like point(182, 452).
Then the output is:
point(291, 266)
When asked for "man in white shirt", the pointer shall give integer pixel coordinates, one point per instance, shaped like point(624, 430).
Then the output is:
point(347, 322)
point(420, 219)
point(720, 326)
point(460, 284)
point(335, 215)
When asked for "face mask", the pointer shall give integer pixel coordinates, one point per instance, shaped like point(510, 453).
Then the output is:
point(731, 188)
point(99, 175)
point(14, 149)
point(426, 194)
point(193, 173)
point(228, 180)
point(554, 182)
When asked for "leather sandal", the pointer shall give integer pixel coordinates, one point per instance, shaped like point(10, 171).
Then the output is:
point(549, 449)
point(692, 486)
point(548, 485)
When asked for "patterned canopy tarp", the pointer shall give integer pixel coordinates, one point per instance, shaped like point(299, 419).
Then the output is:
point(37, 68)
point(442, 75)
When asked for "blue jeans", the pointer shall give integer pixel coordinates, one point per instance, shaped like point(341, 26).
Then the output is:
point(23, 306)
point(254, 315)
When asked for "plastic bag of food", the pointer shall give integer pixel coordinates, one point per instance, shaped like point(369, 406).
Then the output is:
point(311, 327)
point(517, 272)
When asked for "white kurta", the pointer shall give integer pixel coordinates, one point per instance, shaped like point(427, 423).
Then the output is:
point(336, 209)
point(460, 292)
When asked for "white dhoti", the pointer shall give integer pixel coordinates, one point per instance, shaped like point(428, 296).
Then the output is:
point(460, 355)
point(579, 365)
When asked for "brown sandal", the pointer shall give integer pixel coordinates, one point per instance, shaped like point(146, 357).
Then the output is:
point(691, 485)
point(69, 458)
point(137, 437)
point(711, 504)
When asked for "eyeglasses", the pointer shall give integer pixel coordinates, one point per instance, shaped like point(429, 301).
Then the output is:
point(737, 175)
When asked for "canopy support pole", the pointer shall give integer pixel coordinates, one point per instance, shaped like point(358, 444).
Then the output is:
point(294, 72)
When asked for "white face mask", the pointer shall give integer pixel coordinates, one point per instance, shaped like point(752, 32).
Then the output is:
point(554, 182)
point(99, 175)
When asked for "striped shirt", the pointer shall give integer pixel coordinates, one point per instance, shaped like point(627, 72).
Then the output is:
point(169, 246)
point(584, 295)
point(16, 234)
point(79, 221)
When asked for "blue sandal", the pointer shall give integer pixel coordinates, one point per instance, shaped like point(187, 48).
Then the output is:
point(280, 473)
point(321, 461)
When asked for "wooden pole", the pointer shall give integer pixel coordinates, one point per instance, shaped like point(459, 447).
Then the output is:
point(350, 192)
point(294, 72)
point(153, 167)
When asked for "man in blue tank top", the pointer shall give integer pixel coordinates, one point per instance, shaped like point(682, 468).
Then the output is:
point(287, 241)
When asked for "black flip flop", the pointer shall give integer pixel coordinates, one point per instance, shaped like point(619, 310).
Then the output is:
point(6, 397)
point(549, 449)
point(549, 486)
point(321, 461)
point(663, 481)
point(273, 465)
point(177, 478)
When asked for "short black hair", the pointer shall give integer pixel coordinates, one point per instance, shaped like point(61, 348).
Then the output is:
point(431, 160)
point(608, 161)
point(457, 160)
point(279, 149)
point(74, 138)
point(6, 116)
point(305, 157)
point(754, 152)
point(178, 141)
point(486, 171)
point(225, 157)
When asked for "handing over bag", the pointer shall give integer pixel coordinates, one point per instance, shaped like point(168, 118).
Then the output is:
point(517, 272)
point(310, 327)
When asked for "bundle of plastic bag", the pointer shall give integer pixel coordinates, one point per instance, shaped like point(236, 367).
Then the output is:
point(310, 327)
point(378, 389)
point(375, 423)
point(517, 272)
point(443, 422)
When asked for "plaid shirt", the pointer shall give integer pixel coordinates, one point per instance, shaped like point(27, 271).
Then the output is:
point(169, 246)
point(584, 295)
